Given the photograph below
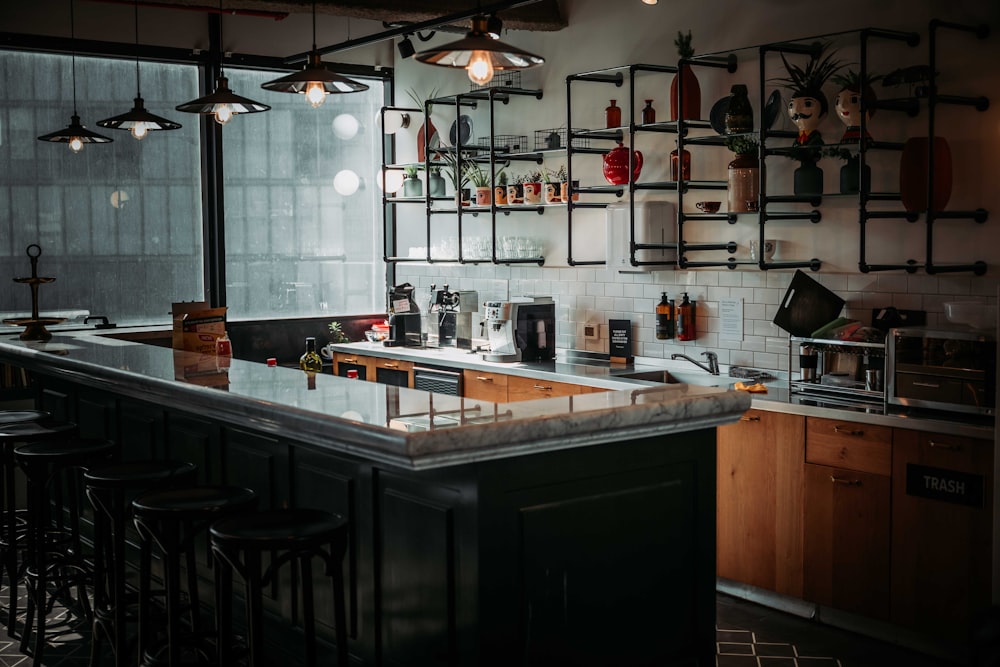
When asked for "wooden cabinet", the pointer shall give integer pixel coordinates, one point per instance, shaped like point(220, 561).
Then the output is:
point(846, 516)
point(760, 487)
point(392, 371)
point(343, 362)
point(484, 386)
point(942, 501)
point(526, 389)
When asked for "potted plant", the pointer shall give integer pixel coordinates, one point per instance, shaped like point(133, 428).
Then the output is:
point(854, 99)
point(435, 182)
point(500, 188)
point(480, 180)
point(852, 180)
point(553, 184)
point(458, 176)
point(533, 187)
point(515, 189)
point(412, 185)
point(743, 174)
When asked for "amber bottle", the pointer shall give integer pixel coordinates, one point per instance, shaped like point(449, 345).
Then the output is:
point(648, 113)
point(685, 319)
point(613, 116)
point(664, 318)
point(680, 165)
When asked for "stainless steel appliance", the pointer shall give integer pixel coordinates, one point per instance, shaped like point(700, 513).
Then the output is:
point(449, 318)
point(845, 370)
point(951, 369)
point(404, 318)
point(522, 329)
point(438, 380)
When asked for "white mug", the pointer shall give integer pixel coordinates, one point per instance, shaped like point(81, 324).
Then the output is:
point(770, 247)
point(327, 352)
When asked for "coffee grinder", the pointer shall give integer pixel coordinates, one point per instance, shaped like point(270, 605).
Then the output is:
point(449, 320)
point(404, 318)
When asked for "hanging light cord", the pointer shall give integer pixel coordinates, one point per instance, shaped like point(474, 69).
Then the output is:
point(72, 39)
point(314, 25)
point(135, 6)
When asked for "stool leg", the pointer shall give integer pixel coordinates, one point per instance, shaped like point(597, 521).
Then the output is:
point(118, 598)
point(191, 568)
point(255, 612)
point(338, 551)
point(308, 612)
point(10, 565)
point(172, 575)
point(145, 594)
point(38, 504)
point(223, 607)
point(101, 557)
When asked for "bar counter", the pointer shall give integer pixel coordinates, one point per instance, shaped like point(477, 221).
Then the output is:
point(573, 530)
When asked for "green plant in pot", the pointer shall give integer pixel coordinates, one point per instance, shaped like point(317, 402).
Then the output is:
point(533, 187)
point(457, 175)
point(515, 189)
point(500, 188)
point(435, 182)
point(412, 185)
point(743, 174)
point(480, 180)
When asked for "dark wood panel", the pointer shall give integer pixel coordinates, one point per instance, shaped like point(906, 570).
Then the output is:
point(943, 575)
point(417, 572)
point(141, 430)
point(59, 402)
point(196, 441)
point(260, 463)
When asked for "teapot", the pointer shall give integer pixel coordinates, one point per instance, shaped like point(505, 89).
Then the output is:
point(616, 165)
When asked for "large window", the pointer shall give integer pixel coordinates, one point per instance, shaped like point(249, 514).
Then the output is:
point(120, 224)
point(300, 239)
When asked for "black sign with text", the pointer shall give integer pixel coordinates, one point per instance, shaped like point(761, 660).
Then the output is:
point(621, 340)
point(950, 486)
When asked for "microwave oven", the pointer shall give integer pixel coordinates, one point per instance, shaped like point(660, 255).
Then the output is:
point(942, 369)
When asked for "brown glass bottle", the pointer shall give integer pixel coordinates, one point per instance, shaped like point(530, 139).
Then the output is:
point(613, 116)
point(664, 318)
point(680, 165)
point(648, 113)
point(685, 319)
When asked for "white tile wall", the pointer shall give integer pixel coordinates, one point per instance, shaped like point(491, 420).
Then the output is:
point(595, 295)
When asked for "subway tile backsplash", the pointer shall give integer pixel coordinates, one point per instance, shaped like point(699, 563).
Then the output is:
point(592, 295)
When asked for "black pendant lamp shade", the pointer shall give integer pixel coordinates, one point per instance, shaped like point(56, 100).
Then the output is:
point(315, 82)
point(480, 54)
point(138, 121)
point(223, 103)
point(74, 134)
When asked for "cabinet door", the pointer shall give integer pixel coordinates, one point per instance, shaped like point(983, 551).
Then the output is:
point(392, 371)
point(942, 499)
point(345, 362)
point(526, 389)
point(846, 542)
point(484, 386)
point(843, 444)
point(760, 487)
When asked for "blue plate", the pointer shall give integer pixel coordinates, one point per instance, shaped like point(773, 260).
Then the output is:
point(461, 129)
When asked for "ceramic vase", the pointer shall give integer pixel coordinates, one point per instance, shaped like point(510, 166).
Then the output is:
point(500, 195)
point(680, 165)
point(852, 181)
point(739, 113)
point(515, 193)
point(532, 193)
point(913, 168)
point(553, 195)
point(743, 183)
point(436, 185)
point(427, 130)
point(808, 179)
point(565, 189)
point(413, 186)
point(483, 195)
point(692, 94)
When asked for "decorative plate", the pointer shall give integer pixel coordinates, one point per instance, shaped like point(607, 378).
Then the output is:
point(772, 109)
point(461, 129)
point(717, 116)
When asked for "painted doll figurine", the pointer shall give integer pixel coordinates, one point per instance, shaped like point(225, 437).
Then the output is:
point(850, 100)
point(808, 104)
point(806, 112)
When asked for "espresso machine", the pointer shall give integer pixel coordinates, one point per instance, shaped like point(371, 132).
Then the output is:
point(449, 317)
point(404, 318)
point(522, 329)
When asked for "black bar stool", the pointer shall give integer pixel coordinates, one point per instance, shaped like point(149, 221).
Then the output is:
point(239, 542)
point(19, 427)
point(54, 557)
point(172, 520)
point(109, 489)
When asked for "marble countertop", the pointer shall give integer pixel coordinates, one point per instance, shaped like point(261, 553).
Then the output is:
point(403, 427)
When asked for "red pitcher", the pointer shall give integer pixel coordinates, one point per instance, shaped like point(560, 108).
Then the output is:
point(616, 165)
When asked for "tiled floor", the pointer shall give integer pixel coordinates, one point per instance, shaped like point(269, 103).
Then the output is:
point(748, 635)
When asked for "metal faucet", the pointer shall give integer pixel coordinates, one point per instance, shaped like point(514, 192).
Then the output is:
point(713, 361)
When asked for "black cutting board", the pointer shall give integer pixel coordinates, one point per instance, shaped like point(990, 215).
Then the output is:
point(806, 306)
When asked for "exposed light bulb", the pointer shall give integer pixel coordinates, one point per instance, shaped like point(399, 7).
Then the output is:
point(75, 144)
point(480, 68)
point(223, 113)
point(139, 131)
point(315, 93)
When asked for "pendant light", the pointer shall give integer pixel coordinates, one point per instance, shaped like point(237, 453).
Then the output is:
point(315, 81)
point(74, 134)
point(223, 104)
point(479, 54)
point(138, 121)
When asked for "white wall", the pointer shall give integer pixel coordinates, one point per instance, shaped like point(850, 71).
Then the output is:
point(602, 37)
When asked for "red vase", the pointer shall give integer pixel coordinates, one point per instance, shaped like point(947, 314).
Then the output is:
point(428, 130)
point(616, 165)
point(913, 174)
point(692, 94)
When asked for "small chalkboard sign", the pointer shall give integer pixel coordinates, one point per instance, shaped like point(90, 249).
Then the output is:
point(621, 341)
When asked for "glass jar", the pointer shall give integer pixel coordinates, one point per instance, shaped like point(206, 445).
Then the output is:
point(613, 115)
point(680, 165)
point(739, 114)
point(648, 113)
point(743, 183)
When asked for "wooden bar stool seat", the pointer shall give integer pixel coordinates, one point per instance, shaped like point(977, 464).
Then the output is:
point(239, 543)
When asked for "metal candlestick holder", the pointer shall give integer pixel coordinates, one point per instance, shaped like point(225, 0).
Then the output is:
point(34, 326)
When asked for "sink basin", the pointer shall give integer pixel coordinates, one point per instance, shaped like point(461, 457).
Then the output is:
point(672, 377)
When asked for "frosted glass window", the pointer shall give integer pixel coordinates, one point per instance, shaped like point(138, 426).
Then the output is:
point(295, 246)
point(120, 224)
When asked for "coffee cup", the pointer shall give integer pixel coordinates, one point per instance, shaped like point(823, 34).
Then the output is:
point(770, 247)
point(327, 352)
point(708, 206)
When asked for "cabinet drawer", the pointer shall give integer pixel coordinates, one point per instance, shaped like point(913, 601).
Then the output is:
point(526, 389)
point(393, 364)
point(844, 444)
point(485, 386)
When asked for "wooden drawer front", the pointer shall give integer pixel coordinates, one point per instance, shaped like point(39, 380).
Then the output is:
point(342, 362)
point(394, 364)
point(956, 453)
point(485, 386)
point(525, 389)
point(849, 445)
